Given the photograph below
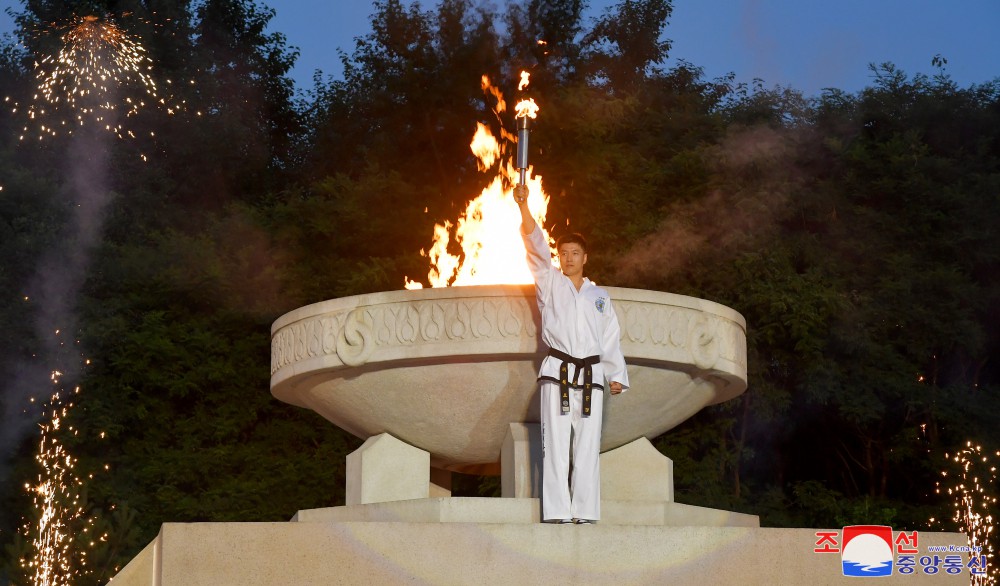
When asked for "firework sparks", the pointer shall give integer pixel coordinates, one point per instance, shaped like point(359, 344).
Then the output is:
point(60, 535)
point(57, 500)
point(81, 84)
point(971, 491)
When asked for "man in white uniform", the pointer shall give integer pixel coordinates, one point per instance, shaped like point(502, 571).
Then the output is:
point(581, 329)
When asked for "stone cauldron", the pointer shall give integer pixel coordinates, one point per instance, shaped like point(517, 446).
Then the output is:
point(447, 370)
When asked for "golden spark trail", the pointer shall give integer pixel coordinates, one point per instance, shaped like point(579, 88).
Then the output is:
point(973, 503)
point(56, 500)
point(57, 558)
point(81, 83)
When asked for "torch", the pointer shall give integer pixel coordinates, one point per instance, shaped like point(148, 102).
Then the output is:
point(525, 111)
point(523, 132)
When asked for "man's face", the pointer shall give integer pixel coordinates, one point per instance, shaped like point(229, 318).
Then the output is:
point(571, 259)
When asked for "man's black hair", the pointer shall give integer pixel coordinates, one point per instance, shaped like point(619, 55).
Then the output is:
point(572, 238)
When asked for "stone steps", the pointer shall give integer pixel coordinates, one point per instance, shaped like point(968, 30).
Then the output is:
point(524, 511)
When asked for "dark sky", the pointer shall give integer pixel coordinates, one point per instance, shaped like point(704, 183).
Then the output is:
point(808, 44)
point(805, 44)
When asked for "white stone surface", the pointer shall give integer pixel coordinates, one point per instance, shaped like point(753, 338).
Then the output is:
point(323, 554)
point(386, 469)
point(521, 461)
point(637, 472)
point(447, 370)
point(143, 568)
point(525, 511)
point(433, 510)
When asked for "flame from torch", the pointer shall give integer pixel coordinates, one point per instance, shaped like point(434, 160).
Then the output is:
point(487, 231)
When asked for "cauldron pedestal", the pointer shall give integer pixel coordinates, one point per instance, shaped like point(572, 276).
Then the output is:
point(443, 380)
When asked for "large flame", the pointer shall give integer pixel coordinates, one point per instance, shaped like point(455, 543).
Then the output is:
point(489, 229)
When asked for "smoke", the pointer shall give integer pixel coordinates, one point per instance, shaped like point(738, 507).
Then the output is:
point(754, 173)
point(52, 292)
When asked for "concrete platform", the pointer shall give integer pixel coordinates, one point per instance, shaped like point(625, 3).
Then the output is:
point(327, 553)
point(523, 511)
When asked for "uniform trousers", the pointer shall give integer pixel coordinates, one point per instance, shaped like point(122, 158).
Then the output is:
point(563, 497)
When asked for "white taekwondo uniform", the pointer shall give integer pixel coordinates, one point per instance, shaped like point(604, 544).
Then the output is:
point(581, 324)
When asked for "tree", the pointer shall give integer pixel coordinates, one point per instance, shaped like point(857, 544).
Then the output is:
point(627, 43)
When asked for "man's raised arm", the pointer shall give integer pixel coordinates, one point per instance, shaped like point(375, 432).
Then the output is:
point(539, 255)
point(521, 197)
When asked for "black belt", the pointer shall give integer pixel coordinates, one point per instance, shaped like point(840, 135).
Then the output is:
point(588, 378)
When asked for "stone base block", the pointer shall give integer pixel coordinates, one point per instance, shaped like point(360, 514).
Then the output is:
point(323, 554)
point(672, 514)
point(440, 510)
point(387, 469)
point(521, 461)
point(524, 511)
point(637, 472)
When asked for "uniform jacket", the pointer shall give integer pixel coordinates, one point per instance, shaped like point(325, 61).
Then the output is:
point(580, 323)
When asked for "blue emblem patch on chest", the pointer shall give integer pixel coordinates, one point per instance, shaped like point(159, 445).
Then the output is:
point(600, 303)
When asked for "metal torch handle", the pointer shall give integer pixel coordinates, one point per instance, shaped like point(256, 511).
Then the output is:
point(523, 131)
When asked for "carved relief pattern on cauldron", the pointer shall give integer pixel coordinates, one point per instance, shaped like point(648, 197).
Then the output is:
point(355, 335)
point(699, 334)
